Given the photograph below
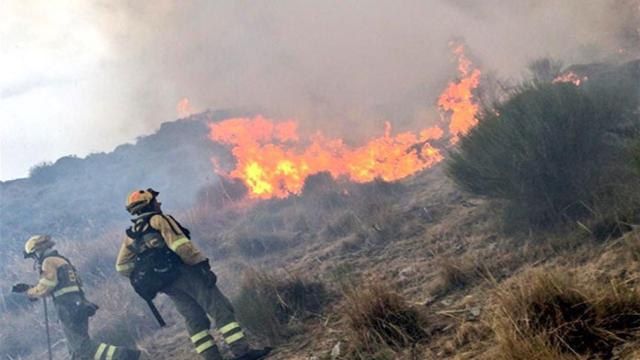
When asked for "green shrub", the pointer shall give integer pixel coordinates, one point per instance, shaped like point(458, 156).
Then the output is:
point(545, 69)
point(552, 151)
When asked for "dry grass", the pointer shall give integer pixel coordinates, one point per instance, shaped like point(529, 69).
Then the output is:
point(377, 317)
point(457, 273)
point(554, 315)
point(272, 306)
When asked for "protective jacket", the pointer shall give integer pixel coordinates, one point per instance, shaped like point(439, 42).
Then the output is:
point(57, 277)
point(157, 230)
point(60, 279)
point(193, 289)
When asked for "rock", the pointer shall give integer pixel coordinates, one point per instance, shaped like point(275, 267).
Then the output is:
point(335, 352)
point(474, 312)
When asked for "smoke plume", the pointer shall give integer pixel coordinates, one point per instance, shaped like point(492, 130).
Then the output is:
point(343, 67)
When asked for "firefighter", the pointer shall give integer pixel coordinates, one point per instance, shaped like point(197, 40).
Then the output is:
point(157, 241)
point(60, 280)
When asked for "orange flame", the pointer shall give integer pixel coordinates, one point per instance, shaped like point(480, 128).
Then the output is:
point(570, 77)
point(184, 108)
point(458, 97)
point(273, 160)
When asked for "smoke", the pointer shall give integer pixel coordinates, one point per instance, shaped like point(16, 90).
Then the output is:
point(343, 62)
point(341, 66)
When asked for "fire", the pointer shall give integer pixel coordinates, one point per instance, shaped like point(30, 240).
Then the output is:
point(458, 97)
point(273, 159)
point(184, 108)
point(570, 77)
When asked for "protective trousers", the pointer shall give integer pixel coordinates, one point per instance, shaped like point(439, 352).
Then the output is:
point(75, 325)
point(195, 295)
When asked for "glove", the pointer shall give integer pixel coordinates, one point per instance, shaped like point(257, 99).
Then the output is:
point(205, 269)
point(20, 288)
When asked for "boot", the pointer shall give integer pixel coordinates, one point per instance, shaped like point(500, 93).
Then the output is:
point(128, 354)
point(211, 354)
point(254, 354)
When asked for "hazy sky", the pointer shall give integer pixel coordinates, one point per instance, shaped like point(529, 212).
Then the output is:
point(79, 76)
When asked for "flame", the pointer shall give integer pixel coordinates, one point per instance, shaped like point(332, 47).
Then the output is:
point(184, 108)
point(273, 159)
point(570, 77)
point(458, 97)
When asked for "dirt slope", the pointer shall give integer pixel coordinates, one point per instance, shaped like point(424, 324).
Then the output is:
point(443, 250)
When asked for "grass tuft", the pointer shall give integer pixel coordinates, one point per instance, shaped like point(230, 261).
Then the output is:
point(377, 317)
point(271, 307)
point(551, 315)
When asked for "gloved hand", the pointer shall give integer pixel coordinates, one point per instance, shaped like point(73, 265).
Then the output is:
point(205, 269)
point(20, 288)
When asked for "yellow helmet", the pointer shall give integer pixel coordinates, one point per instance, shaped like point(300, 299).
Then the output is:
point(139, 199)
point(37, 243)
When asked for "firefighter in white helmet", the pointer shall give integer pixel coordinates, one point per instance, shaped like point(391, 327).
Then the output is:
point(158, 255)
point(60, 280)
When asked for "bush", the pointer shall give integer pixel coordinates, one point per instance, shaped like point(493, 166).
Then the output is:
point(547, 151)
point(268, 306)
point(42, 172)
point(378, 317)
point(545, 70)
point(551, 315)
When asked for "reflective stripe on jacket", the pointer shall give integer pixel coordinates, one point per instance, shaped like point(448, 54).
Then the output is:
point(57, 277)
point(163, 231)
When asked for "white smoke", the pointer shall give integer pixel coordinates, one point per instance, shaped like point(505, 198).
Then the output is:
point(332, 64)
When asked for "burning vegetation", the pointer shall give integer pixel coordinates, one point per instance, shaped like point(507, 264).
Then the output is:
point(458, 97)
point(273, 160)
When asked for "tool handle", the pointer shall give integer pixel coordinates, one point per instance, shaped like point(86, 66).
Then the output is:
point(46, 324)
point(156, 313)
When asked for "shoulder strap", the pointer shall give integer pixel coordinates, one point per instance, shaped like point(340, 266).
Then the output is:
point(55, 253)
point(136, 246)
point(183, 229)
point(136, 232)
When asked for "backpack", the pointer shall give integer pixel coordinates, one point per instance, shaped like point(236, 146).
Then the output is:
point(154, 268)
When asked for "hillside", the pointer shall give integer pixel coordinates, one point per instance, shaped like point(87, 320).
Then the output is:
point(81, 197)
point(444, 252)
point(296, 268)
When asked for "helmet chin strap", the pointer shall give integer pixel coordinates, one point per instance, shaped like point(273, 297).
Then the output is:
point(37, 256)
point(36, 261)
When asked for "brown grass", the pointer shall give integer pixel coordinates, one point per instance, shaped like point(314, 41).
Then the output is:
point(458, 273)
point(272, 305)
point(554, 315)
point(377, 317)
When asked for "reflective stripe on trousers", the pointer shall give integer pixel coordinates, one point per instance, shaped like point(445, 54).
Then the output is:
point(101, 350)
point(231, 332)
point(203, 341)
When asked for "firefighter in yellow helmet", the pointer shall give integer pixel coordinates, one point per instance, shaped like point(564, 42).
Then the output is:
point(158, 256)
point(60, 280)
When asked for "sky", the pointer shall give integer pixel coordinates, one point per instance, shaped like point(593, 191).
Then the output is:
point(83, 76)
